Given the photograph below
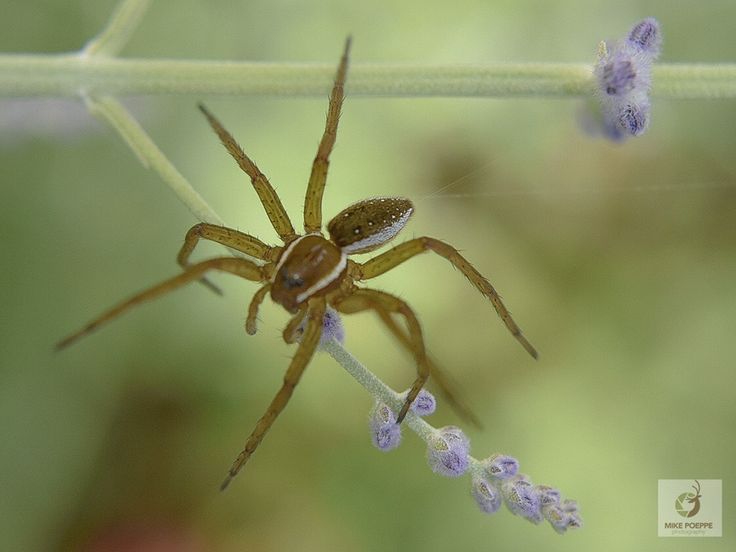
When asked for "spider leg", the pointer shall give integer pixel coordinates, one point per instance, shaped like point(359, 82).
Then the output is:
point(228, 237)
point(245, 243)
point(438, 376)
point(364, 299)
point(405, 251)
point(316, 186)
point(240, 267)
point(290, 331)
point(303, 355)
point(250, 321)
point(270, 200)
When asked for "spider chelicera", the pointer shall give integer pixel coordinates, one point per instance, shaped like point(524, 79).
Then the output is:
point(310, 272)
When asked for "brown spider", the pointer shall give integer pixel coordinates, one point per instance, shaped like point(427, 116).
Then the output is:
point(310, 272)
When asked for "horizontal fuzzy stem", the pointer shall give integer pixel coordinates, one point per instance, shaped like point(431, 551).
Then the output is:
point(70, 74)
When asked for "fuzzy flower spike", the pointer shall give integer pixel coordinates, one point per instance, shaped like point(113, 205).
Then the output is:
point(623, 75)
point(494, 481)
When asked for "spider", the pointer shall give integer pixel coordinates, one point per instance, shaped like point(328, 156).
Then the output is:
point(310, 272)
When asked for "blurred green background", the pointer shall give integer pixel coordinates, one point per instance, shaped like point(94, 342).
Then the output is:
point(618, 261)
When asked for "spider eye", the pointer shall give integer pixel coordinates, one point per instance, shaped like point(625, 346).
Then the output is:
point(292, 281)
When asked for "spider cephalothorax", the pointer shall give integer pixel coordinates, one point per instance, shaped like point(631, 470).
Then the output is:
point(310, 272)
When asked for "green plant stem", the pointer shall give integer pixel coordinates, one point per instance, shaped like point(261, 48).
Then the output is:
point(123, 23)
point(112, 112)
point(68, 74)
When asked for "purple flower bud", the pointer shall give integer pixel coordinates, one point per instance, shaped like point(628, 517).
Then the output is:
point(425, 403)
point(617, 73)
point(500, 466)
point(557, 518)
point(447, 452)
point(385, 432)
point(331, 327)
point(634, 117)
point(547, 495)
point(562, 516)
point(521, 499)
point(574, 521)
point(487, 496)
point(455, 437)
point(646, 37)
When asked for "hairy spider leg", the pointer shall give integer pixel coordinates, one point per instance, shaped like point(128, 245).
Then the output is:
point(240, 267)
point(228, 237)
point(318, 177)
point(245, 243)
point(290, 331)
point(405, 251)
point(437, 376)
point(379, 301)
point(303, 355)
point(270, 200)
point(255, 303)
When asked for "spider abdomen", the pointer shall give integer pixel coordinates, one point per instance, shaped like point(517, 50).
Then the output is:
point(309, 265)
point(368, 224)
